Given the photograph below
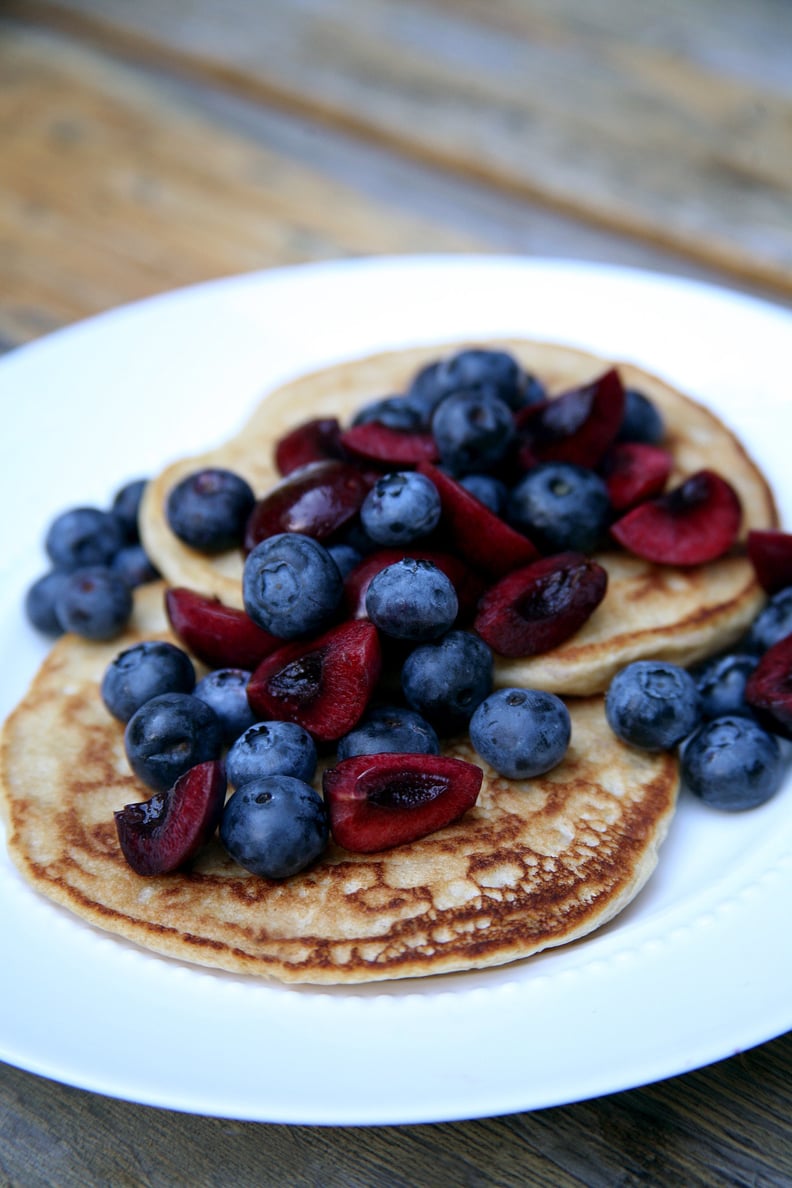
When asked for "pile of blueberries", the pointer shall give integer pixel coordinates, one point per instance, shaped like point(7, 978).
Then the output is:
point(292, 588)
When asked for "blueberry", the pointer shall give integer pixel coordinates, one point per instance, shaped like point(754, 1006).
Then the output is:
point(732, 763)
point(772, 623)
point(521, 732)
point(126, 505)
point(425, 390)
point(225, 690)
point(208, 509)
point(490, 491)
point(291, 585)
point(346, 557)
point(82, 537)
point(271, 749)
point(133, 565)
point(41, 600)
point(721, 685)
point(642, 421)
point(561, 507)
point(168, 735)
point(144, 671)
point(488, 372)
point(400, 508)
point(94, 603)
point(653, 704)
point(396, 412)
point(412, 599)
point(393, 729)
point(473, 432)
point(446, 681)
point(275, 826)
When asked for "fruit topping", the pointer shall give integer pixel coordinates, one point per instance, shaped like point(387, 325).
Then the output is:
point(696, 522)
point(84, 536)
point(395, 412)
point(379, 801)
point(168, 735)
point(126, 506)
point(468, 528)
point(642, 420)
point(291, 586)
point(220, 636)
point(389, 448)
point(769, 688)
point(770, 553)
point(473, 431)
point(275, 826)
point(324, 684)
point(401, 507)
point(522, 733)
point(160, 835)
point(560, 507)
point(773, 622)
point(390, 728)
point(653, 704)
point(143, 671)
point(41, 599)
point(208, 509)
point(486, 372)
point(314, 440)
point(467, 583)
point(316, 500)
point(731, 763)
point(225, 691)
point(447, 680)
point(721, 684)
point(577, 426)
point(412, 600)
point(634, 471)
point(94, 603)
point(271, 749)
point(538, 607)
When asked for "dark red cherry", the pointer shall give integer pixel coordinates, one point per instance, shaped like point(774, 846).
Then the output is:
point(633, 472)
point(769, 688)
point(220, 636)
point(378, 444)
point(316, 440)
point(695, 522)
point(324, 684)
point(316, 500)
point(162, 834)
point(471, 530)
point(576, 426)
point(770, 552)
point(379, 801)
point(540, 606)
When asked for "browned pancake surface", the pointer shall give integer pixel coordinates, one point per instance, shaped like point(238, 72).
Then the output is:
point(534, 864)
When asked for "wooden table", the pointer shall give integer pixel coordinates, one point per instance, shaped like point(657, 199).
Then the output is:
point(145, 146)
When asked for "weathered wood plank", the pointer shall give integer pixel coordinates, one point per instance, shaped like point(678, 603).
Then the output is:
point(636, 135)
point(113, 188)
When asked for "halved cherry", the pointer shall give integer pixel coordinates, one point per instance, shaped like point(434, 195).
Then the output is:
point(221, 636)
point(769, 688)
point(538, 607)
point(324, 684)
point(317, 500)
point(576, 426)
point(379, 801)
point(475, 532)
point(770, 552)
point(468, 584)
point(162, 834)
point(634, 471)
point(696, 522)
point(315, 440)
point(379, 444)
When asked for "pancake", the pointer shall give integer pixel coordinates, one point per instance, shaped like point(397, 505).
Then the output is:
point(535, 864)
point(648, 611)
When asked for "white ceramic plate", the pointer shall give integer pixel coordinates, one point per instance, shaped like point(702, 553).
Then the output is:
point(699, 967)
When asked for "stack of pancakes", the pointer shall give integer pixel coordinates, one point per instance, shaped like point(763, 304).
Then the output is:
point(535, 864)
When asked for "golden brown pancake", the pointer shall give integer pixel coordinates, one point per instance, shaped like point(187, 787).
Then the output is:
point(535, 864)
point(648, 611)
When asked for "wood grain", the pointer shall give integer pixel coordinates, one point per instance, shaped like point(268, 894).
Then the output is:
point(640, 135)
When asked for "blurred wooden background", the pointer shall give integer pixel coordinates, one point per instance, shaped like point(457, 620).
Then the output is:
point(148, 145)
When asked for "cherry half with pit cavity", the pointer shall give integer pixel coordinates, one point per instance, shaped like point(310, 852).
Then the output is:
point(696, 522)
